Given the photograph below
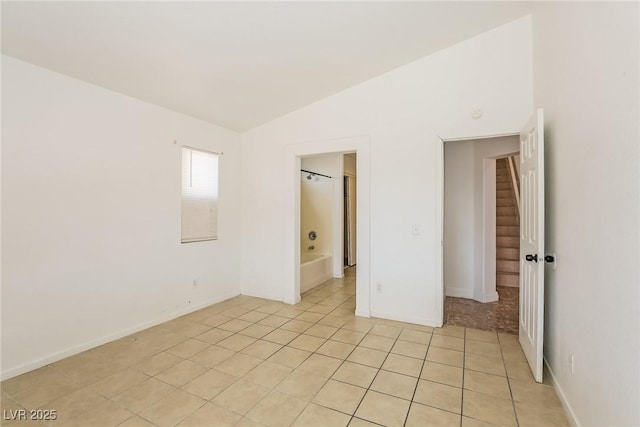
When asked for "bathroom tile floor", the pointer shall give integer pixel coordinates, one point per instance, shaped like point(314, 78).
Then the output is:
point(253, 362)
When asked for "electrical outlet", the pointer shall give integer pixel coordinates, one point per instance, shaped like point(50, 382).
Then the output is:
point(379, 287)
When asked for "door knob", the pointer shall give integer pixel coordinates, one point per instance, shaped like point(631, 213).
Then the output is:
point(530, 257)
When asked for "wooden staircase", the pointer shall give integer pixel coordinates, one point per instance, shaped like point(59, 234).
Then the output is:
point(507, 228)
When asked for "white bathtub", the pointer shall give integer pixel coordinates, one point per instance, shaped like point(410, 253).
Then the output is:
point(314, 269)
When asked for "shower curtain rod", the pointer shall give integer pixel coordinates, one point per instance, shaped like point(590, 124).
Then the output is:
point(315, 173)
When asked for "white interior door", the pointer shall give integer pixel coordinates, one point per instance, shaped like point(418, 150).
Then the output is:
point(532, 242)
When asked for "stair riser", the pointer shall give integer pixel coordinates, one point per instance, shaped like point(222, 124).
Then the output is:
point(507, 266)
point(507, 220)
point(507, 230)
point(508, 242)
point(506, 211)
point(505, 202)
point(504, 194)
point(511, 280)
point(510, 254)
point(500, 186)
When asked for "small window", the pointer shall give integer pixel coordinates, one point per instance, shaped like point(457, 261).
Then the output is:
point(199, 195)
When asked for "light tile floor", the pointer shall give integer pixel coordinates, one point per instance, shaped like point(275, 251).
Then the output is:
point(254, 362)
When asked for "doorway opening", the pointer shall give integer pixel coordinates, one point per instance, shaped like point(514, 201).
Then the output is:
point(296, 240)
point(481, 233)
point(323, 279)
point(320, 219)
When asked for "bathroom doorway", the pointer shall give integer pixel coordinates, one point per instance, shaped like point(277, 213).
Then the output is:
point(294, 153)
point(320, 219)
point(328, 219)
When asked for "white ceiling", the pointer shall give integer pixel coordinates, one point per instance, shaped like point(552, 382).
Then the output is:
point(237, 64)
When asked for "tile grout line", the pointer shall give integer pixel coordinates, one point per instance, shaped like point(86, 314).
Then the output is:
point(487, 373)
point(293, 369)
point(345, 360)
point(311, 353)
point(315, 352)
point(215, 344)
point(464, 364)
point(415, 389)
point(341, 364)
point(263, 360)
point(504, 363)
point(375, 376)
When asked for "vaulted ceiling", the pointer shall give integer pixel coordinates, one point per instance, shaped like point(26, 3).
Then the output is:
point(237, 64)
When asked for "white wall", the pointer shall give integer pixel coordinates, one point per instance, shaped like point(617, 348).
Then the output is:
point(586, 58)
point(464, 215)
point(317, 202)
point(401, 112)
point(459, 231)
point(91, 216)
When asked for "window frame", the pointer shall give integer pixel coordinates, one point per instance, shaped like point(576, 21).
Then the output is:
point(217, 172)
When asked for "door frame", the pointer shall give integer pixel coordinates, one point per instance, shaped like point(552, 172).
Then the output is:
point(488, 265)
point(347, 234)
point(293, 153)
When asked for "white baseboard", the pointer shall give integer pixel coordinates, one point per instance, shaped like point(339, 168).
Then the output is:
point(571, 415)
point(292, 302)
point(458, 292)
point(268, 296)
point(362, 313)
point(488, 297)
point(406, 319)
point(51, 358)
